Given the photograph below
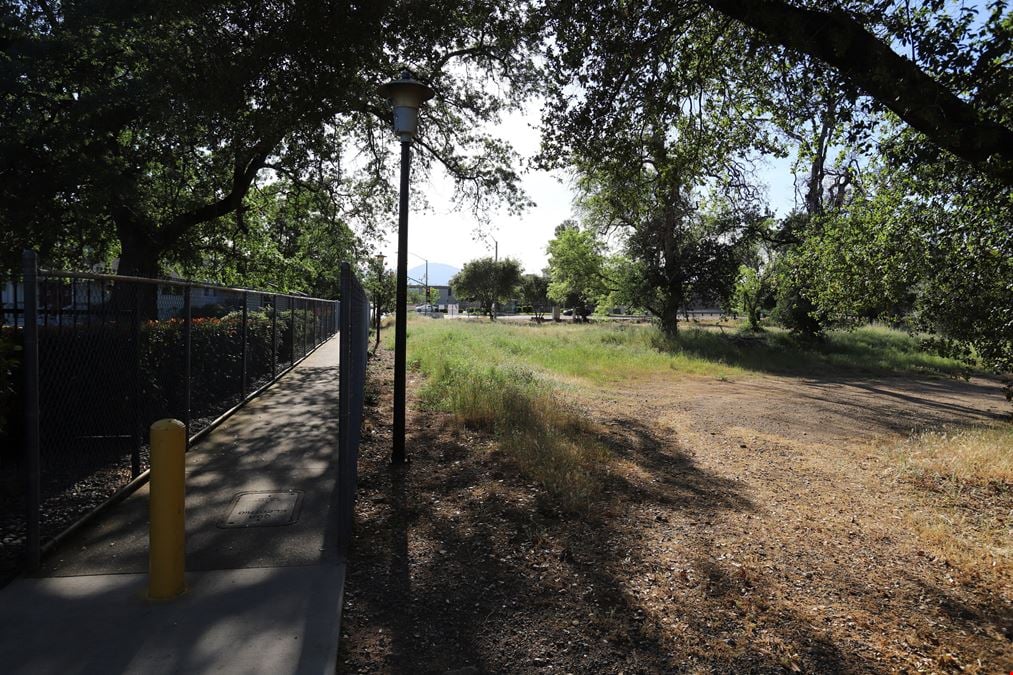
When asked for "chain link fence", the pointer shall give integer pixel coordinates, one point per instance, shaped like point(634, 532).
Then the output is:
point(354, 327)
point(97, 358)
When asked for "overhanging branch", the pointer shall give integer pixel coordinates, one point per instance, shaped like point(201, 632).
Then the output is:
point(895, 81)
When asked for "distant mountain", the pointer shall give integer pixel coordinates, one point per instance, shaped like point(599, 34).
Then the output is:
point(439, 274)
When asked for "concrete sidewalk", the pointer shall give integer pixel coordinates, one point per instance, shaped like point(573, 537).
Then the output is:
point(263, 575)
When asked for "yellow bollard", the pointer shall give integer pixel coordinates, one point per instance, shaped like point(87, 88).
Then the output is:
point(167, 533)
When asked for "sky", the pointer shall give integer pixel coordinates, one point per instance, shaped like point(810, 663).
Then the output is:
point(449, 236)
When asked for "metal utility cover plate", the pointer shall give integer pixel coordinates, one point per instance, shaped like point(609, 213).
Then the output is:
point(264, 509)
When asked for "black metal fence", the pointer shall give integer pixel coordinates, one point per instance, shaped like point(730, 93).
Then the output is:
point(100, 357)
point(352, 372)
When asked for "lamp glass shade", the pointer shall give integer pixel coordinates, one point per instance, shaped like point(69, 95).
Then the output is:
point(406, 95)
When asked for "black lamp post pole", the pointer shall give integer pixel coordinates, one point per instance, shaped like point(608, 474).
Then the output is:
point(405, 94)
point(379, 299)
point(401, 318)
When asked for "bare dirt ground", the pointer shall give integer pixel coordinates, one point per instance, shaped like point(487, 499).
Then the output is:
point(748, 526)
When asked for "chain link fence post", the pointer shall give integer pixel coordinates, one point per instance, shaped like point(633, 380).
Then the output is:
point(274, 336)
point(30, 268)
point(188, 359)
point(246, 322)
point(135, 339)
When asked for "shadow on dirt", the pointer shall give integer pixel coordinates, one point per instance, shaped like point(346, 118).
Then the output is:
point(458, 563)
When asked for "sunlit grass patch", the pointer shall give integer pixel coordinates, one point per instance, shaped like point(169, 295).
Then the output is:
point(978, 458)
point(509, 378)
point(602, 354)
point(970, 471)
point(550, 442)
point(595, 353)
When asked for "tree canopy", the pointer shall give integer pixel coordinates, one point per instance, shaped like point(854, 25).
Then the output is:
point(951, 89)
point(534, 291)
point(146, 130)
point(247, 143)
point(487, 282)
point(576, 268)
point(905, 99)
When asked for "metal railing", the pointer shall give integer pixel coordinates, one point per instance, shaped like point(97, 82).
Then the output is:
point(102, 357)
point(351, 394)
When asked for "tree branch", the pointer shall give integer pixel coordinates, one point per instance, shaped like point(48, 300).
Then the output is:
point(243, 179)
point(894, 81)
point(467, 51)
point(50, 14)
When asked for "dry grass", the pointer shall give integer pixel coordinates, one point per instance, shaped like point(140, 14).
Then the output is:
point(559, 450)
point(976, 548)
point(955, 461)
point(970, 473)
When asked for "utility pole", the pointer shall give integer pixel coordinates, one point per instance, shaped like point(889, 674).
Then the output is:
point(425, 279)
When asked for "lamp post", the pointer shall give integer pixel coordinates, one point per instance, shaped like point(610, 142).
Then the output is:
point(406, 95)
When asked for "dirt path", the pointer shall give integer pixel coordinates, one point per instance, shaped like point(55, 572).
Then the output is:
point(747, 526)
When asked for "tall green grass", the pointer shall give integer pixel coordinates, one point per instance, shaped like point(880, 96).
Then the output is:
point(602, 354)
point(550, 443)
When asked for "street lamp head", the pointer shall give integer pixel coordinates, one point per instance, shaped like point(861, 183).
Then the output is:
point(406, 95)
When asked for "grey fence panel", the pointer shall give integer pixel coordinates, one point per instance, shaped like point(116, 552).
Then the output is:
point(115, 354)
point(354, 330)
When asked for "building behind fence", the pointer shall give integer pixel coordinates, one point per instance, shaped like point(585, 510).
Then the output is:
point(104, 356)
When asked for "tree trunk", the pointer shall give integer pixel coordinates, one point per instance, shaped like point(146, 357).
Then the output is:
point(670, 311)
point(139, 257)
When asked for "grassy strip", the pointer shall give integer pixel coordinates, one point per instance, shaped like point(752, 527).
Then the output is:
point(610, 353)
point(499, 378)
point(550, 443)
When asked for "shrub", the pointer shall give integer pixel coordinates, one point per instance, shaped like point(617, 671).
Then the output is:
point(212, 310)
point(796, 312)
point(216, 362)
